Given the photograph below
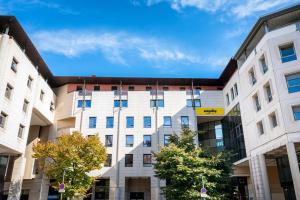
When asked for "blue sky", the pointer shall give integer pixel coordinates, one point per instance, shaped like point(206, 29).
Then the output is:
point(148, 38)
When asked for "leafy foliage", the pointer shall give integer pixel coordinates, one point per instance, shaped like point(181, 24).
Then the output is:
point(74, 156)
point(184, 165)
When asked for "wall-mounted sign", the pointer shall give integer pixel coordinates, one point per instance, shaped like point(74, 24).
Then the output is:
point(209, 111)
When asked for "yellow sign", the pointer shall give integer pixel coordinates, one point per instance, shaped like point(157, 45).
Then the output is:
point(209, 111)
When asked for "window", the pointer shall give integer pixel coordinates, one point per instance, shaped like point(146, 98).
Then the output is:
point(189, 103)
point(109, 122)
point(108, 160)
point(197, 91)
point(147, 141)
point(165, 88)
point(3, 118)
point(128, 160)
point(184, 121)
point(167, 140)
point(42, 94)
point(124, 103)
point(108, 140)
point(129, 140)
point(236, 91)
point(97, 88)
point(160, 103)
point(92, 122)
point(131, 88)
point(147, 160)
point(8, 91)
point(147, 122)
point(88, 103)
point(129, 122)
point(263, 64)
point(197, 103)
point(21, 130)
point(252, 76)
point(227, 99)
point(256, 103)
point(79, 88)
point(182, 88)
point(13, 65)
point(148, 88)
point(296, 111)
point(167, 121)
point(287, 53)
point(273, 120)
point(114, 88)
point(52, 106)
point(268, 92)
point(25, 105)
point(29, 82)
point(232, 94)
point(260, 127)
point(293, 82)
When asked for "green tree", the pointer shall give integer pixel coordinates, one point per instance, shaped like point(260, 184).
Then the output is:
point(74, 156)
point(184, 166)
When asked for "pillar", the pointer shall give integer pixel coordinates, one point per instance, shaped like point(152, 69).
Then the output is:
point(259, 177)
point(155, 189)
point(294, 166)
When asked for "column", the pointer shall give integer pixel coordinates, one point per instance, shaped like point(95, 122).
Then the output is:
point(155, 189)
point(293, 161)
point(259, 177)
point(16, 179)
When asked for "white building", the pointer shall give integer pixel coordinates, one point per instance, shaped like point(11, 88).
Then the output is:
point(252, 109)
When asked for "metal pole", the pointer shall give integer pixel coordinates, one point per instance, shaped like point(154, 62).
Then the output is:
point(83, 106)
point(118, 138)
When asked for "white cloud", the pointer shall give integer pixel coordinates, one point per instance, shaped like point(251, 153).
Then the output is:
point(120, 48)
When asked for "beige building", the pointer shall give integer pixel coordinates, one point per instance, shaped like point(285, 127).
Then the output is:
point(253, 109)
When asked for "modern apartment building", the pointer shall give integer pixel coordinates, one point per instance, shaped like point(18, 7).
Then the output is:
point(252, 109)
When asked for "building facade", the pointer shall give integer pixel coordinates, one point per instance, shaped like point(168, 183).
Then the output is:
point(252, 109)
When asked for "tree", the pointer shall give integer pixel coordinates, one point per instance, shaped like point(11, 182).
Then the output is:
point(184, 165)
point(72, 156)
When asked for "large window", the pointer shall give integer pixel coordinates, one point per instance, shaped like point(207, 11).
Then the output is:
point(167, 140)
point(129, 140)
point(184, 121)
point(147, 122)
point(129, 122)
point(167, 121)
point(287, 53)
point(3, 119)
point(108, 140)
point(108, 160)
point(92, 122)
point(293, 82)
point(296, 111)
point(147, 141)
point(128, 160)
point(109, 122)
point(124, 103)
point(147, 160)
point(88, 103)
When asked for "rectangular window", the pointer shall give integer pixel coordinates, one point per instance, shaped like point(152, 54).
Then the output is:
point(147, 141)
point(8, 91)
point(88, 103)
point(3, 118)
point(182, 88)
point(21, 130)
point(197, 103)
point(287, 53)
point(260, 127)
point(147, 122)
point(167, 121)
point(108, 140)
point(25, 105)
point(273, 120)
point(128, 160)
point(92, 122)
point(131, 88)
point(256, 102)
point(97, 88)
point(29, 82)
point(184, 121)
point(197, 91)
point(148, 88)
point(167, 140)
point(160, 103)
point(114, 88)
point(13, 65)
point(129, 122)
point(189, 103)
point(232, 94)
point(42, 94)
point(268, 92)
point(296, 112)
point(236, 91)
point(109, 122)
point(147, 161)
point(108, 160)
point(293, 82)
point(129, 140)
point(79, 88)
point(227, 99)
point(252, 76)
point(263, 64)
point(124, 103)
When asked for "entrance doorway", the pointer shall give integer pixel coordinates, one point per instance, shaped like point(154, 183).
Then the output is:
point(137, 188)
point(136, 195)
